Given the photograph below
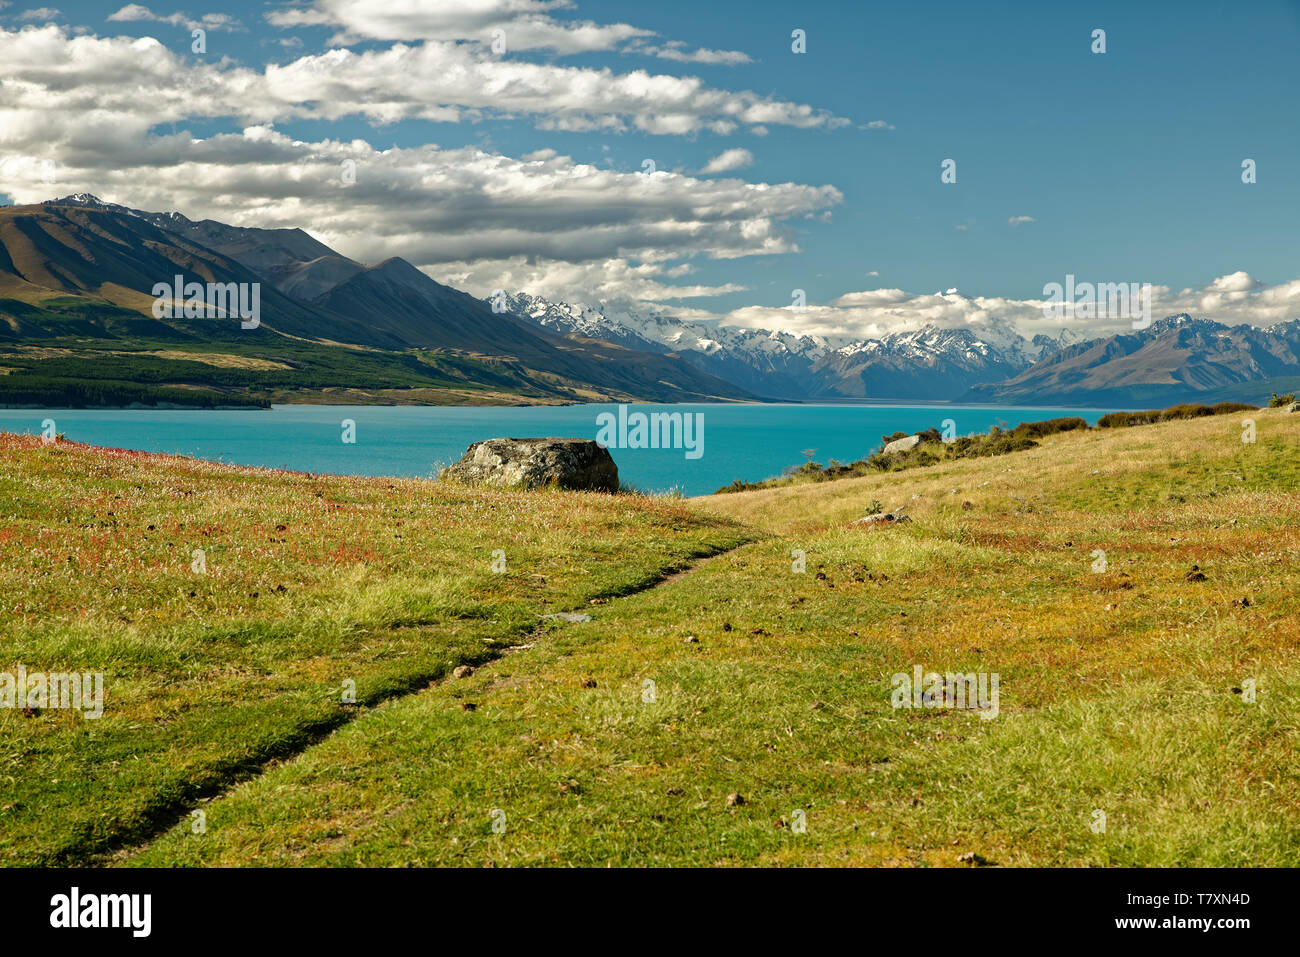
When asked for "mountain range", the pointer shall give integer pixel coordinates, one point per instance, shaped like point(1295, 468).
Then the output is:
point(76, 326)
point(79, 273)
point(1177, 359)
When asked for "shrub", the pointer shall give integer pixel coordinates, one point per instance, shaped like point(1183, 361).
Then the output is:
point(1002, 444)
point(1114, 420)
point(1049, 427)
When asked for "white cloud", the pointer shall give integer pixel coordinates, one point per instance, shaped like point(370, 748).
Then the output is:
point(526, 24)
point(729, 160)
point(677, 51)
point(490, 221)
point(876, 125)
point(521, 24)
point(1239, 282)
point(613, 280)
point(101, 109)
point(39, 14)
point(447, 82)
point(1018, 220)
point(439, 82)
point(133, 12)
point(1232, 299)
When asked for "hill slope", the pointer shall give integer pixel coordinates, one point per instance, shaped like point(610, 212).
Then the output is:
point(1163, 700)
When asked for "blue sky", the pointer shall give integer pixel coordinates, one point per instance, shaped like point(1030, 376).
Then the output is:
point(1127, 162)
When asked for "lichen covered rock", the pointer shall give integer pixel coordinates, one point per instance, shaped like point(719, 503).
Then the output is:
point(533, 463)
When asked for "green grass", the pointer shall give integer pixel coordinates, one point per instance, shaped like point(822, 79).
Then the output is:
point(1119, 689)
point(256, 368)
point(309, 582)
point(81, 353)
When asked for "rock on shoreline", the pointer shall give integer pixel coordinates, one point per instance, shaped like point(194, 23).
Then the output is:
point(533, 463)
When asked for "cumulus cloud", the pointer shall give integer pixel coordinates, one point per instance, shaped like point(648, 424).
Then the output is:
point(729, 160)
point(521, 24)
point(610, 281)
point(39, 14)
point(517, 24)
point(483, 219)
point(679, 52)
point(1233, 299)
point(209, 21)
point(100, 110)
point(1018, 220)
point(443, 81)
point(439, 82)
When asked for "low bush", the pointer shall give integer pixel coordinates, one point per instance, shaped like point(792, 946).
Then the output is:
point(1120, 420)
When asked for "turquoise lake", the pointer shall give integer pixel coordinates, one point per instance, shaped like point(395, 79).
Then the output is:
point(749, 442)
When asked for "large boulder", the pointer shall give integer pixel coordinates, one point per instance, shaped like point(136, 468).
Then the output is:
point(532, 463)
point(902, 445)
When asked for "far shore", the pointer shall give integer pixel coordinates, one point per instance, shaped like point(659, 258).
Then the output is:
point(902, 403)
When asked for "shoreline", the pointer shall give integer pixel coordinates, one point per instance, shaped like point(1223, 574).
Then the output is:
point(773, 403)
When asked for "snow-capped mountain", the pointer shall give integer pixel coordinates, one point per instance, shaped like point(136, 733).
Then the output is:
point(774, 364)
point(1178, 359)
point(927, 363)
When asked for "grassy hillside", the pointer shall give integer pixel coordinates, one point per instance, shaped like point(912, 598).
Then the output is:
point(89, 354)
point(308, 582)
point(257, 368)
point(736, 714)
point(100, 355)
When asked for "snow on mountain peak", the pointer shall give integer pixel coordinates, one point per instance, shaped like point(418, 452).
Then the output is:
point(756, 358)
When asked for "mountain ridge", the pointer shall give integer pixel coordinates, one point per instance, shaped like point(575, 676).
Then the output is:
point(1179, 357)
point(98, 263)
point(798, 366)
point(105, 253)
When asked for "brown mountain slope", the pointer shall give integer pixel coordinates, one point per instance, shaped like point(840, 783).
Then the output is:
point(108, 256)
point(1177, 359)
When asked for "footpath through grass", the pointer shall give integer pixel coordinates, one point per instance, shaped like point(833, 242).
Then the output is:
point(229, 609)
point(741, 714)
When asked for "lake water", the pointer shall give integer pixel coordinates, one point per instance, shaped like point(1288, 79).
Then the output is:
point(749, 442)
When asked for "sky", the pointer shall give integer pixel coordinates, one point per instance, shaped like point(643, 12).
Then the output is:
point(684, 157)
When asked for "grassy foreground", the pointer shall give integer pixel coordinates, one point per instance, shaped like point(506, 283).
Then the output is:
point(1126, 734)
